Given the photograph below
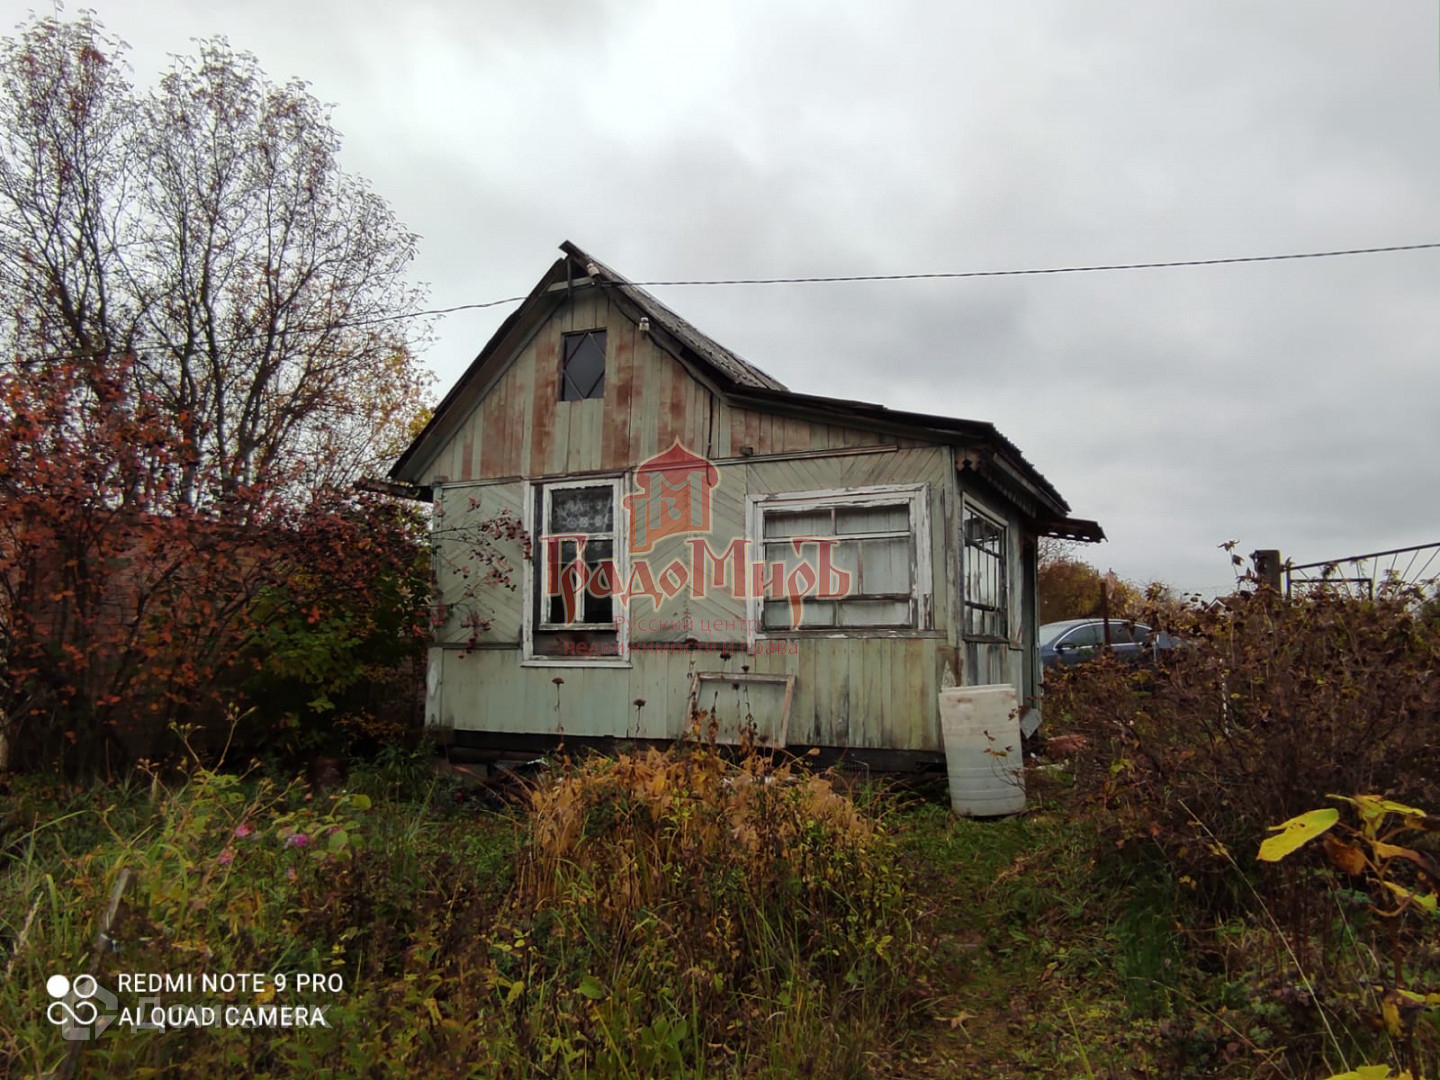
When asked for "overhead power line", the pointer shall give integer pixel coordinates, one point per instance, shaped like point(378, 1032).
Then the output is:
point(938, 275)
point(944, 274)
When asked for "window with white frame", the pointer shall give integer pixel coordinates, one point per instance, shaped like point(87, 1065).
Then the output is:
point(985, 600)
point(577, 574)
point(875, 538)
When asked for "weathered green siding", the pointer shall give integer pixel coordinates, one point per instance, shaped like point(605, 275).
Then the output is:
point(860, 692)
point(460, 578)
point(875, 690)
point(864, 689)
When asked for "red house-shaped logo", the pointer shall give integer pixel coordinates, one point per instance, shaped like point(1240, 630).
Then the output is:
point(671, 497)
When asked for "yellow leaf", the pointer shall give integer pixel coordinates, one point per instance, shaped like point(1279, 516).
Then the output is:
point(1390, 1010)
point(1392, 851)
point(1296, 833)
point(1426, 902)
point(1370, 1072)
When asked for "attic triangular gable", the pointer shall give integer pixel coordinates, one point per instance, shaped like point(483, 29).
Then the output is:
point(507, 417)
point(504, 416)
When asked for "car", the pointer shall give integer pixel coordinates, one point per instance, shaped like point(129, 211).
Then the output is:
point(1074, 641)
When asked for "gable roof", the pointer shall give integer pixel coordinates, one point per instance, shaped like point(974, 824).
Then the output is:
point(1000, 462)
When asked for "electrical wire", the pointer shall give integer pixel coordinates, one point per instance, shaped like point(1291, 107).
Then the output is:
point(939, 275)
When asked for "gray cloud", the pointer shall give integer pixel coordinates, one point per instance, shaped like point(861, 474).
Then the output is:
point(1285, 405)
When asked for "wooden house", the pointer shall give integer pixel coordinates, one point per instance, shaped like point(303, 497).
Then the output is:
point(632, 521)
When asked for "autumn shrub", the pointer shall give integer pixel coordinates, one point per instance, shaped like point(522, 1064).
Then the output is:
point(661, 915)
point(125, 608)
point(685, 913)
point(1272, 704)
point(1390, 852)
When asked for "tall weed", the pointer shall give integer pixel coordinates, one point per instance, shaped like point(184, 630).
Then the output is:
point(744, 918)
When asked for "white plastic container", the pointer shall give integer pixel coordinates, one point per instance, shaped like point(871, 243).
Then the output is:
point(981, 728)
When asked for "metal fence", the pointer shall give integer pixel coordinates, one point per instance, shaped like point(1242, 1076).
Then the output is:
point(1365, 576)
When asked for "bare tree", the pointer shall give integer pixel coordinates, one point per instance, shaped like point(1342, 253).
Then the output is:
point(206, 229)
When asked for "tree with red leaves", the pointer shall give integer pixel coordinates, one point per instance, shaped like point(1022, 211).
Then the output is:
point(208, 340)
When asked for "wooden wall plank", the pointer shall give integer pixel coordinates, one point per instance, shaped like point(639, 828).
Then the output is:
point(619, 387)
point(545, 394)
point(864, 694)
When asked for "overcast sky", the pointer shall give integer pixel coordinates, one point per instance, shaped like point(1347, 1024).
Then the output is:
point(1292, 405)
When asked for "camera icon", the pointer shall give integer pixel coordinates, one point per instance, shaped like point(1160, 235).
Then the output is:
point(75, 1007)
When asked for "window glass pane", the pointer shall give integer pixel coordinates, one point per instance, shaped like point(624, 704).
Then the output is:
point(984, 621)
point(799, 523)
point(786, 555)
point(983, 531)
point(872, 519)
point(873, 613)
point(982, 578)
point(583, 372)
point(882, 565)
point(1084, 636)
point(885, 565)
point(816, 615)
point(598, 608)
point(582, 510)
point(596, 550)
point(844, 558)
point(984, 572)
point(589, 511)
point(589, 609)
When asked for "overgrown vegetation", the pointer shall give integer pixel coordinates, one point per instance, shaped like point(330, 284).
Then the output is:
point(683, 914)
point(673, 914)
point(677, 911)
point(202, 351)
point(1274, 707)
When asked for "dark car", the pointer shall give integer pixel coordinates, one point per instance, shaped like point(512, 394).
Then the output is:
point(1076, 640)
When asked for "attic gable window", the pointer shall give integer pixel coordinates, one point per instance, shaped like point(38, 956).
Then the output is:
point(582, 371)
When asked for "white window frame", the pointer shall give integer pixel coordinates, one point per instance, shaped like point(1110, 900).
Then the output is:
point(969, 506)
point(921, 594)
point(538, 491)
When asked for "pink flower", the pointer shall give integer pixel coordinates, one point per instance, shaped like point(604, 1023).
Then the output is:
point(244, 829)
point(298, 839)
point(226, 857)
